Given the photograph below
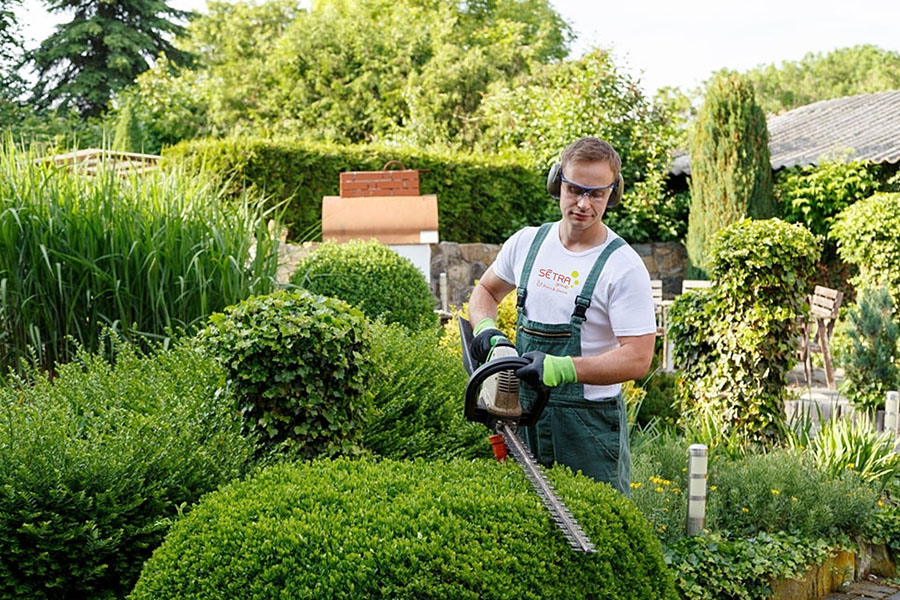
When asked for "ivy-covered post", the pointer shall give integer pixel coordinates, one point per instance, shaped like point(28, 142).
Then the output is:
point(731, 172)
point(736, 341)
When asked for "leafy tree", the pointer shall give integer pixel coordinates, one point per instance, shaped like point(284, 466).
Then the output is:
point(543, 112)
point(843, 72)
point(351, 71)
point(168, 104)
point(680, 108)
point(731, 173)
point(11, 84)
point(101, 50)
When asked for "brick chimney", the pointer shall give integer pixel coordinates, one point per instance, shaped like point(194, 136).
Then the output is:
point(357, 184)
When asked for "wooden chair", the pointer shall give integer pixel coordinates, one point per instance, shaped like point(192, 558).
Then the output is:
point(817, 330)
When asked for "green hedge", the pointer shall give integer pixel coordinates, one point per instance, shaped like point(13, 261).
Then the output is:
point(480, 198)
point(447, 530)
point(96, 463)
point(418, 394)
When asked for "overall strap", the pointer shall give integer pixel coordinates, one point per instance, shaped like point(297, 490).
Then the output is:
point(521, 292)
point(583, 301)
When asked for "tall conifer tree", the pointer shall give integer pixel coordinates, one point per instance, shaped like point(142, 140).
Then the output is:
point(102, 49)
point(731, 172)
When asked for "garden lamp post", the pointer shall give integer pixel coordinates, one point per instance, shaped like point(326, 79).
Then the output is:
point(696, 496)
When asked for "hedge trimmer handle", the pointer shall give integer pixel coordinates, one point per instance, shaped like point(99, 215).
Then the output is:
point(508, 363)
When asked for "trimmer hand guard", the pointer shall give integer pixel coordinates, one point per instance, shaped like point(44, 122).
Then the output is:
point(477, 376)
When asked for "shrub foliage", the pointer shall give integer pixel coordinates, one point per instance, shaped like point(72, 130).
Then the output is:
point(96, 463)
point(815, 194)
point(866, 234)
point(361, 529)
point(418, 390)
point(299, 367)
point(735, 342)
point(869, 355)
point(371, 277)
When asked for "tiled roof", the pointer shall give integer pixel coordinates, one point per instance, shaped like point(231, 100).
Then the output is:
point(865, 127)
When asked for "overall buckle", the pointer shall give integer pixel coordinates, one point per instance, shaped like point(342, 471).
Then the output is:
point(581, 306)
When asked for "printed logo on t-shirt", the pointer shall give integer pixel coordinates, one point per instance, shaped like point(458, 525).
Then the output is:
point(555, 281)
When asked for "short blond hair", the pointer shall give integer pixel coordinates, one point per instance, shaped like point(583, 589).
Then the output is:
point(591, 149)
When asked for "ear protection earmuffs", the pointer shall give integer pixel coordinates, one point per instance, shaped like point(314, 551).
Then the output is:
point(554, 183)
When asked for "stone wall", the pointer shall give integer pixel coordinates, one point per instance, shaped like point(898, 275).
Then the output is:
point(465, 263)
point(666, 261)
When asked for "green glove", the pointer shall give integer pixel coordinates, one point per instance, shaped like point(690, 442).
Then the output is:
point(487, 336)
point(548, 370)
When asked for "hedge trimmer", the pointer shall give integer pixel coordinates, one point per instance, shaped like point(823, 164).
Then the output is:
point(492, 398)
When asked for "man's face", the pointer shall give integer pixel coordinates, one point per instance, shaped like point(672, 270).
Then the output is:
point(582, 209)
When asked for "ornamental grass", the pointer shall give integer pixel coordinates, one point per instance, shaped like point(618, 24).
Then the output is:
point(143, 254)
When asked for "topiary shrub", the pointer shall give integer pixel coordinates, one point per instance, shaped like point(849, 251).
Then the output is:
point(418, 394)
point(408, 530)
point(372, 277)
point(299, 367)
point(736, 341)
point(96, 463)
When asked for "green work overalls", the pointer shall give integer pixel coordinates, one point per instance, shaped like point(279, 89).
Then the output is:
point(587, 436)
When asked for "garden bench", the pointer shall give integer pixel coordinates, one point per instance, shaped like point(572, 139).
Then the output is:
point(817, 330)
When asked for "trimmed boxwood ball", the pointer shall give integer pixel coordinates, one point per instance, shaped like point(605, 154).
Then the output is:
point(299, 366)
point(363, 529)
point(372, 277)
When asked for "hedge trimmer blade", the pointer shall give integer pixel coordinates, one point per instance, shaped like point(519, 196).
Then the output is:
point(564, 520)
point(506, 428)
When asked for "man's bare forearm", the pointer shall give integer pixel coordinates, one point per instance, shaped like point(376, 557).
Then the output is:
point(631, 360)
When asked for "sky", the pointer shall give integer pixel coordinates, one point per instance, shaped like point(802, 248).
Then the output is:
point(681, 43)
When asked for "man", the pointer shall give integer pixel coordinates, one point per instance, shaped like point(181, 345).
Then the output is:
point(586, 319)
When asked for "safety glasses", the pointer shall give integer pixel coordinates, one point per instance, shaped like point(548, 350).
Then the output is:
point(576, 192)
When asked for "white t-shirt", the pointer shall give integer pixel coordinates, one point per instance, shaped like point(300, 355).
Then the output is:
point(622, 303)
